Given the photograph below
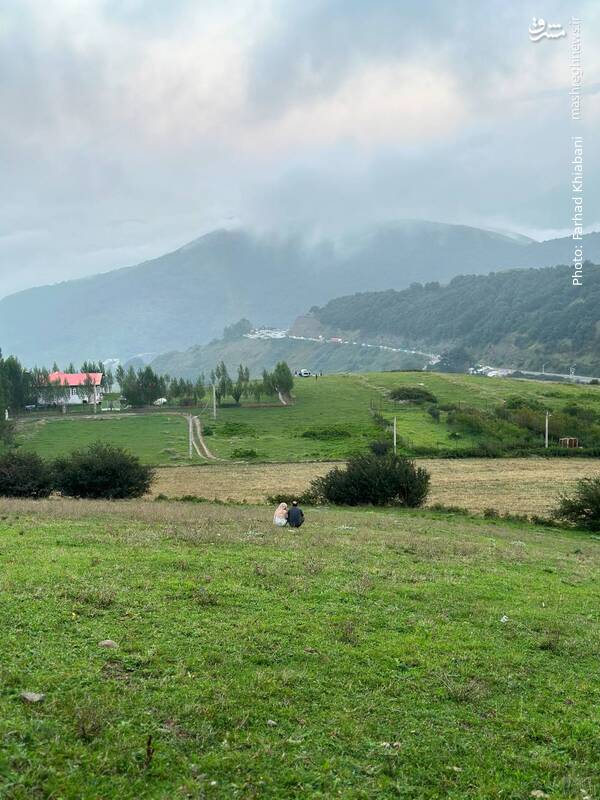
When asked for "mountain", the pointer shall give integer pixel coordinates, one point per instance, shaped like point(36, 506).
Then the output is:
point(189, 295)
point(260, 354)
point(519, 318)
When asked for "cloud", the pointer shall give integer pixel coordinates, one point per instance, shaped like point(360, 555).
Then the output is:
point(322, 113)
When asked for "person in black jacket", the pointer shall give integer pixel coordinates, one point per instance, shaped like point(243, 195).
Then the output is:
point(295, 515)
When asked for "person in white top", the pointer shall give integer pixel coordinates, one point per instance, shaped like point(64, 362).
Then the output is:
point(281, 515)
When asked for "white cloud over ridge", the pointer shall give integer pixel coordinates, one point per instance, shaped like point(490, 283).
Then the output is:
point(129, 127)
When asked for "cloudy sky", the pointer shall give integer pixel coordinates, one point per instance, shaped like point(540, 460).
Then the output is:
point(129, 127)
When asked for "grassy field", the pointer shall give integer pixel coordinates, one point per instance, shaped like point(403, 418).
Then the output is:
point(374, 655)
point(336, 404)
point(509, 485)
point(155, 438)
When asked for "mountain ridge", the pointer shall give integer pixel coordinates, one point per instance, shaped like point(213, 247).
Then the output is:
point(187, 296)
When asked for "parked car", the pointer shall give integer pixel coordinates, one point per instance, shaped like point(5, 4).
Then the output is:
point(305, 373)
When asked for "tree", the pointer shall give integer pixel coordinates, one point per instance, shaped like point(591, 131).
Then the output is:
point(282, 379)
point(88, 391)
point(257, 389)
point(221, 381)
point(144, 387)
point(236, 331)
point(240, 387)
point(454, 360)
point(109, 380)
point(5, 427)
point(120, 375)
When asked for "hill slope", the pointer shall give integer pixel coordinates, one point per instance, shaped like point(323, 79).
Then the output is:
point(260, 354)
point(187, 296)
point(521, 318)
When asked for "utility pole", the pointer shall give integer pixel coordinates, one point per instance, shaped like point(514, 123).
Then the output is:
point(214, 401)
point(546, 437)
point(395, 436)
point(543, 369)
point(190, 435)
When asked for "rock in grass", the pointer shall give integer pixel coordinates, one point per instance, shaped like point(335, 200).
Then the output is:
point(32, 697)
point(107, 643)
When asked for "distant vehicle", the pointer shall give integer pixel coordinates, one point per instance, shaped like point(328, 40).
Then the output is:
point(305, 373)
point(162, 401)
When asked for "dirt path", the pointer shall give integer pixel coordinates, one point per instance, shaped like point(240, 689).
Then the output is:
point(201, 447)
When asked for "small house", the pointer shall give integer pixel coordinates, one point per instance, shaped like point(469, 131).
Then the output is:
point(73, 388)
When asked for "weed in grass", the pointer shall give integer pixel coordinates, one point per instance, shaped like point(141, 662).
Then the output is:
point(205, 598)
point(347, 632)
point(89, 722)
point(102, 597)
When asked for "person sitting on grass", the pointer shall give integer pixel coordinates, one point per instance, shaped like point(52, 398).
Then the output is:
point(281, 515)
point(295, 515)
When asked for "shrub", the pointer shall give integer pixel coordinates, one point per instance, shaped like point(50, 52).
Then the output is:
point(375, 480)
point(331, 432)
point(24, 475)
point(236, 429)
point(102, 471)
point(583, 509)
point(434, 413)
point(244, 453)
point(380, 447)
point(413, 394)
point(306, 498)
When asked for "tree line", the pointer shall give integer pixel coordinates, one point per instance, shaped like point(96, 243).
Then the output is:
point(21, 387)
point(145, 386)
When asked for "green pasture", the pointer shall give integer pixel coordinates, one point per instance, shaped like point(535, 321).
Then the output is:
point(330, 419)
point(373, 655)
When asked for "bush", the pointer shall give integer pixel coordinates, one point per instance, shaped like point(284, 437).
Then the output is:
point(236, 429)
point(434, 413)
point(413, 394)
point(583, 509)
point(305, 498)
point(244, 453)
point(24, 475)
point(380, 447)
point(332, 432)
point(374, 480)
point(102, 471)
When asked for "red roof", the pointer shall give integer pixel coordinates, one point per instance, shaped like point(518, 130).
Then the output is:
point(75, 379)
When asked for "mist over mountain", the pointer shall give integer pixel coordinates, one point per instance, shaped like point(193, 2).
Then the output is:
point(186, 297)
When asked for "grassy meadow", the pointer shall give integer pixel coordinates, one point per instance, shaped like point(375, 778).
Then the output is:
point(330, 419)
point(376, 654)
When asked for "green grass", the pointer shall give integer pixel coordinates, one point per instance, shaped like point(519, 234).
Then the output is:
point(275, 432)
point(155, 438)
point(365, 657)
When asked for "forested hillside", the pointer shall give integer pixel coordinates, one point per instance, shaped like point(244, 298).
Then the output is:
point(520, 318)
